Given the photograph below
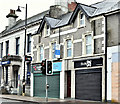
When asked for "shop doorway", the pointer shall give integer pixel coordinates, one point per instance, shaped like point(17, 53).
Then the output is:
point(15, 73)
point(69, 84)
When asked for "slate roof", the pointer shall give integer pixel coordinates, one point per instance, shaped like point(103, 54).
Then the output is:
point(61, 21)
point(102, 7)
point(106, 6)
point(55, 22)
point(21, 23)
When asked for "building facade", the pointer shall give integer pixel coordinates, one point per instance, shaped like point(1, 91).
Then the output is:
point(87, 67)
point(88, 42)
point(12, 52)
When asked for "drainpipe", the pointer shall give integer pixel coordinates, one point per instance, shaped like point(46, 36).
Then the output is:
point(59, 35)
point(105, 58)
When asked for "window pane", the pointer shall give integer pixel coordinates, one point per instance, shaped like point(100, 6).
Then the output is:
point(68, 52)
point(41, 53)
point(89, 49)
point(81, 16)
point(82, 19)
point(88, 39)
point(68, 43)
point(53, 50)
point(81, 22)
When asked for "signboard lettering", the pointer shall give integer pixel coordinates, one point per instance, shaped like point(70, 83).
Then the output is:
point(36, 68)
point(88, 63)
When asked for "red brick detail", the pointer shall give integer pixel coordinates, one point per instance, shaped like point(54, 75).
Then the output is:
point(72, 6)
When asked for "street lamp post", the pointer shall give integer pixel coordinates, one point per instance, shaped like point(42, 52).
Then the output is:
point(24, 45)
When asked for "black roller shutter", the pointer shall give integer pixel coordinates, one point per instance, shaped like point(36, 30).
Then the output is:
point(88, 84)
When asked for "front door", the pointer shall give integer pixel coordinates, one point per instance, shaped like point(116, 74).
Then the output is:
point(69, 84)
point(16, 68)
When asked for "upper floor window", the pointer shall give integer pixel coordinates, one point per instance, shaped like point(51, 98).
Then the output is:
point(82, 19)
point(69, 48)
point(88, 44)
point(1, 53)
point(47, 30)
point(53, 50)
point(41, 53)
point(7, 47)
point(17, 45)
point(29, 43)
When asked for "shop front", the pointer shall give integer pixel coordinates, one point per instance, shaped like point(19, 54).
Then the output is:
point(11, 66)
point(89, 79)
point(39, 81)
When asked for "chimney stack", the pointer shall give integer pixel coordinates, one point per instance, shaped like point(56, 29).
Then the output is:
point(11, 18)
point(72, 6)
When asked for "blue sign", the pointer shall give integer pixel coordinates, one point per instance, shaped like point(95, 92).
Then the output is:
point(5, 62)
point(57, 51)
point(57, 66)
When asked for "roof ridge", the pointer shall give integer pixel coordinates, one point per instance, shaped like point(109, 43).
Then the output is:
point(87, 5)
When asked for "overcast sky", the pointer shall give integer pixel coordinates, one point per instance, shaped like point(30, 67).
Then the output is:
point(34, 7)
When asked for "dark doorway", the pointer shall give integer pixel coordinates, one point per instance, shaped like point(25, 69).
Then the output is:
point(6, 74)
point(69, 84)
point(16, 68)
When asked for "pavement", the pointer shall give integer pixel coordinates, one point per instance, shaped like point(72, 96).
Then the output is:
point(50, 100)
point(29, 99)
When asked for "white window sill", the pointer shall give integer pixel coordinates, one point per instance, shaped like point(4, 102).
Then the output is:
point(82, 26)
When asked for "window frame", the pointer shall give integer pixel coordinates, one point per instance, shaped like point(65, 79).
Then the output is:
point(84, 52)
point(41, 53)
point(68, 48)
point(17, 45)
point(46, 30)
point(82, 19)
point(79, 19)
point(65, 47)
point(7, 47)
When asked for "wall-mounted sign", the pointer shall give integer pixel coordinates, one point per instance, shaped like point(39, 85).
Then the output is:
point(28, 58)
point(57, 66)
point(88, 62)
point(5, 62)
point(36, 68)
point(57, 51)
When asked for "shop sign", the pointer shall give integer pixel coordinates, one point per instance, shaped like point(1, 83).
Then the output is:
point(5, 62)
point(57, 66)
point(88, 63)
point(36, 68)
